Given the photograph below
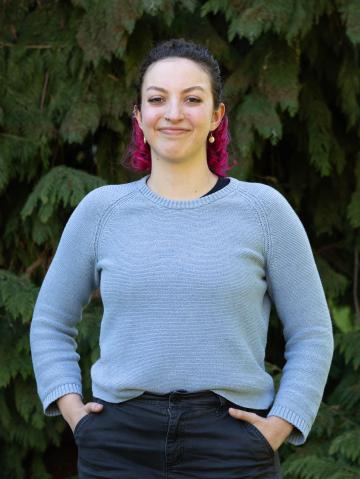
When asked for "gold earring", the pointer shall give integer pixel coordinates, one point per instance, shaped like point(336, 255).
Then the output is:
point(211, 139)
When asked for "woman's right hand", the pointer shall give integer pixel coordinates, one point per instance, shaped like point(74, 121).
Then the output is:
point(73, 409)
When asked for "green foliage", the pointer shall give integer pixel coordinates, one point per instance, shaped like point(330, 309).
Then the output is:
point(350, 12)
point(353, 211)
point(60, 184)
point(349, 347)
point(291, 89)
point(23, 427)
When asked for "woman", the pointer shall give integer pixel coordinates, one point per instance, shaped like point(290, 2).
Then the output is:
point(188, 263)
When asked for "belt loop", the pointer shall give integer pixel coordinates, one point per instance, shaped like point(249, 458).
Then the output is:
point(222, 403)
point(172, 397)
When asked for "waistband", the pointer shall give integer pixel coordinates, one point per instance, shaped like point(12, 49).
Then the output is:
point(182, 397)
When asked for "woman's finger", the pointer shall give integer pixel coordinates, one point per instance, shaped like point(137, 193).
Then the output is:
point(93, 407)
point(245, 415)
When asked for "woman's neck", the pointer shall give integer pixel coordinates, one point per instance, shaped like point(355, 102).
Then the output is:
point(187, 188)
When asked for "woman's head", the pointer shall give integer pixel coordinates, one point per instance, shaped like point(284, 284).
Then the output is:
point(170, 68)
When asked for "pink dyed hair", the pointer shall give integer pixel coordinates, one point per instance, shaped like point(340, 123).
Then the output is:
point(138, 156)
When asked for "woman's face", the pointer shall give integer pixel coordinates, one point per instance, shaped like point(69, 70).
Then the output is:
point(169, 100)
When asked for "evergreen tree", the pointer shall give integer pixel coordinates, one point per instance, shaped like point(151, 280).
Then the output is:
point(292, 88)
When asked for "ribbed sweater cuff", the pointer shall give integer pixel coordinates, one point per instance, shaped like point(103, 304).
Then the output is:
point(49, 404)
point(302, 428)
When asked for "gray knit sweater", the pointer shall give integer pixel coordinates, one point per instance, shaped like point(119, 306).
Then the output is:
point(187, 287)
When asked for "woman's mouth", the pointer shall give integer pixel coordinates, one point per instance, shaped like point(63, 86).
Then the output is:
point(173, 131)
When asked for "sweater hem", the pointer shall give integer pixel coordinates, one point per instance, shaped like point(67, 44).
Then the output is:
point(301, 429)
point(49, 403)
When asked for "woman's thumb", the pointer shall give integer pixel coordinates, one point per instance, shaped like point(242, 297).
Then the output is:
point(93, 407)
point(244, 415)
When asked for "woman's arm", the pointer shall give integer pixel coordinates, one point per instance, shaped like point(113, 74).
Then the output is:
point(66, 289)
point(295, 287)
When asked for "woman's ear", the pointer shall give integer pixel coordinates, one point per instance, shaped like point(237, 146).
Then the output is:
point(137, 115)
point(217, 116)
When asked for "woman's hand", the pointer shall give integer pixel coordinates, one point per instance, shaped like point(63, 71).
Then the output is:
point(73, 409)
point(273, 428)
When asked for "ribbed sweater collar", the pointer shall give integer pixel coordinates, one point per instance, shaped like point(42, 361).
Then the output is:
point(179, 204)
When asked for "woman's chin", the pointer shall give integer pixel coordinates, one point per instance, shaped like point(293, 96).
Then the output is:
point(172, 155)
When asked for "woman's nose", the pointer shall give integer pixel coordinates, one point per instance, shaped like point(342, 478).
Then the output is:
point(174, 112)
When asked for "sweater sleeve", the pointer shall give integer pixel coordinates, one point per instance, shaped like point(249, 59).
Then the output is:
point(296, 290)
point(66, 289)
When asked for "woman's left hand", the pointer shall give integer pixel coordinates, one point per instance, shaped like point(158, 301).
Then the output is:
point(274, 428)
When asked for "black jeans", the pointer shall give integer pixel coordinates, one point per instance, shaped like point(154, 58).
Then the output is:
point(178, 435)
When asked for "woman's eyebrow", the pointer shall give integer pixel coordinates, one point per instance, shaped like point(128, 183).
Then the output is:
point(197, 87)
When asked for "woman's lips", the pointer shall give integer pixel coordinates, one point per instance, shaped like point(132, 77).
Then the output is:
point(173, 132)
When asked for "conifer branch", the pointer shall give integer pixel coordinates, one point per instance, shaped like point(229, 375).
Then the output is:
point(113, 77)
point(43, 95)
point(29, 270)
point(17, 137)
point(355, 283)
point(39, 47)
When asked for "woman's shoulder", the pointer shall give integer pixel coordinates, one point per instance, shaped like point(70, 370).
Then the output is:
point(105, 195)
point(95, 203)
point(266, 196)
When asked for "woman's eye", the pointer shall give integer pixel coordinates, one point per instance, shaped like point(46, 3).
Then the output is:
point(191, 98)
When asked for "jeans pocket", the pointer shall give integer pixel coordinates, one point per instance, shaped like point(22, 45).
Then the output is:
point(259, 435)
point(81, 422)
